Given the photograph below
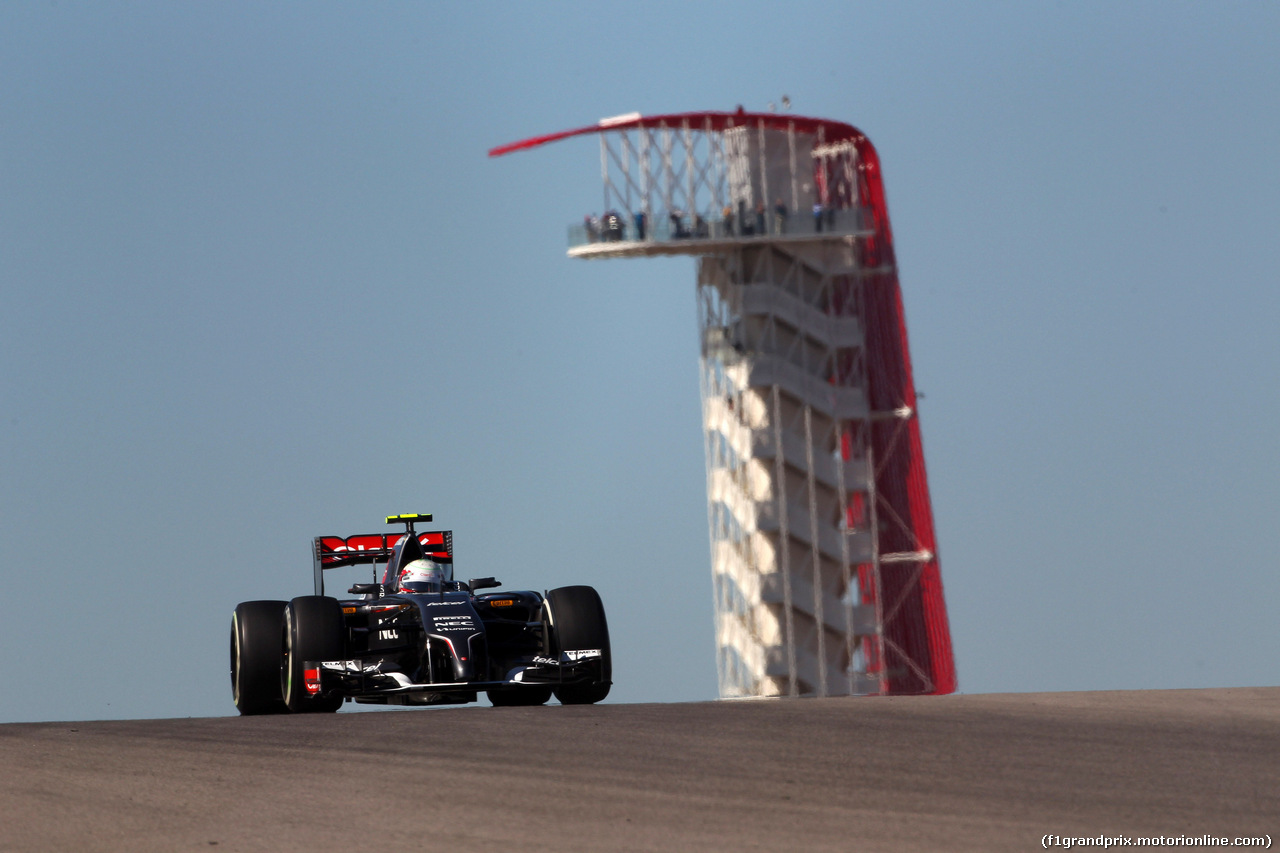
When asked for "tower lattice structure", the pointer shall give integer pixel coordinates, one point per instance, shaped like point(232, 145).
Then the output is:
point(823, 555)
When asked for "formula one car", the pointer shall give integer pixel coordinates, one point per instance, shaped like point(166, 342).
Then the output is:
point(417, 638)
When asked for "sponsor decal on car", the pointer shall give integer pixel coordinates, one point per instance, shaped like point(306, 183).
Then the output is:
point(568, 656)
point(454, 623)
point(352, 666)
point(311, 677)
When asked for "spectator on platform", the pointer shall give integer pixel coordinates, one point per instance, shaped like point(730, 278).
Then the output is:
point(780, 217)
point(678, 230)
point(760, 223)
point(614, 228)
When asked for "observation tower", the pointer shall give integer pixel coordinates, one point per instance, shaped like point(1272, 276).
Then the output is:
point(823, 556)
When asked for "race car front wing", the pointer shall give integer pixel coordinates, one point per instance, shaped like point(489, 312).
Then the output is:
point(356, 678)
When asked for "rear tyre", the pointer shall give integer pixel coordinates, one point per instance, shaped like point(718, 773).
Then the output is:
point(255, 657)
point(313, 630)
point(575, 620)
point(520, 696)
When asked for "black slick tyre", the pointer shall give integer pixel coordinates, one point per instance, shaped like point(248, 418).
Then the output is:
point(575, 621)
point(255, 657)
point(312, 630)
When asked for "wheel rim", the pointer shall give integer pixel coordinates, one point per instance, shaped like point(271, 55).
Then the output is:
point(235, 660)
point(286, 658)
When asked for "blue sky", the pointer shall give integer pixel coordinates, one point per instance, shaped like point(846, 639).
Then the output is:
point(260, 282)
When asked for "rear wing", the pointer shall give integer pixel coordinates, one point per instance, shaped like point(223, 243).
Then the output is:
point(332, 552)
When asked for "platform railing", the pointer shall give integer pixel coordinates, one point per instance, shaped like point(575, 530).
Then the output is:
point(617, 227)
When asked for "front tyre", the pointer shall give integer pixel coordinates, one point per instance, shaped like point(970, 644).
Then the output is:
point(313, 630)
point(575, 621)
point(255, 657)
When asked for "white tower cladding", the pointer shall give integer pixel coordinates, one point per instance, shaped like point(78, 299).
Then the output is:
point(789, 619)
point(823, 557)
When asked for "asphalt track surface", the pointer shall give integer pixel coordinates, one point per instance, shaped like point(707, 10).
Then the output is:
point(982, 772)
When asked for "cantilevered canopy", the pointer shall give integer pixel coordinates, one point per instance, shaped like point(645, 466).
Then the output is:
point(826, 130)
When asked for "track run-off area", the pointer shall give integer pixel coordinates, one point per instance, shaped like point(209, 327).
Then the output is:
point(962, 772)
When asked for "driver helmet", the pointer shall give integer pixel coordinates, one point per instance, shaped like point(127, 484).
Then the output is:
point(421, 576)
